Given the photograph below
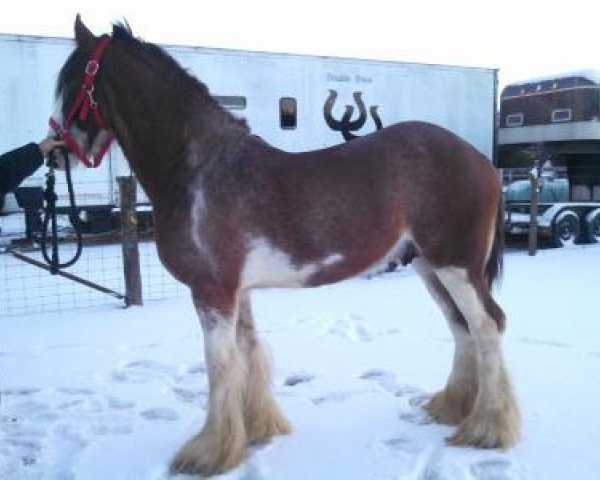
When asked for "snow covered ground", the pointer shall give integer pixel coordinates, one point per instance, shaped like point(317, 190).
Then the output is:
point(106, 393)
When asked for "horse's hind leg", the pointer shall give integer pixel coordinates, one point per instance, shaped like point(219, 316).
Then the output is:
point(262, 417)
point(452, 404)
point(494, 420)
point(221, 444)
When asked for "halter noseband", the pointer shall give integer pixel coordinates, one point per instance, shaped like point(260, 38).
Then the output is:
point(82, 106)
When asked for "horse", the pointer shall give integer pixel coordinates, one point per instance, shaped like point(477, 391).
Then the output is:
point(233, 214)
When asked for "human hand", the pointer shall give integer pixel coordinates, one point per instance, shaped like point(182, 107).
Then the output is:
point(49, 144)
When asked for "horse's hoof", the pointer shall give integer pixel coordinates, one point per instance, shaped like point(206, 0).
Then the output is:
point(263, 431)
point(205, 455)
point(499, 429)
point(449, 408)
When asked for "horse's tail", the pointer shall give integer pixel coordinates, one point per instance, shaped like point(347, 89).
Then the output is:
point(495, 264)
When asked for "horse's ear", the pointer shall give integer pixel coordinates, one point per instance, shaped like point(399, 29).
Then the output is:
point(84, 38)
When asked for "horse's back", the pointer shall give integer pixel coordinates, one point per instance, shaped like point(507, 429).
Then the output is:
point(417, 164)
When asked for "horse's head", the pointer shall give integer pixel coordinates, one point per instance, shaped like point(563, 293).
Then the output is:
point(79, 116)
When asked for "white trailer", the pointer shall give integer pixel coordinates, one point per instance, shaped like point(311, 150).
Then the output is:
point(295, 102)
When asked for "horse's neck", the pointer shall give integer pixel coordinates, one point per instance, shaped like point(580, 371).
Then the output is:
point(167, 150)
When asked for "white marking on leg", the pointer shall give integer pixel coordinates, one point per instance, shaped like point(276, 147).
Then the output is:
point(222, 442)
point(452, 404)
point(483, 328)
point(464, 365)
point(494, 420)
point(262, 417)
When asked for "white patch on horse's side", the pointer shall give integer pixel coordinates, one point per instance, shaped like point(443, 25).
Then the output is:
point(198, 210)
point(332, 259)
point(268, 266)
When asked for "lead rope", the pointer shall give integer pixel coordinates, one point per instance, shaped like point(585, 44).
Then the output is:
point(50, 216)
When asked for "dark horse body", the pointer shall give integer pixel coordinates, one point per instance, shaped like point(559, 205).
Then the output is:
point(233, 213)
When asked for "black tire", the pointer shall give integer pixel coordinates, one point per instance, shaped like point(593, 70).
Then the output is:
point(593, 226)
point(566, 228)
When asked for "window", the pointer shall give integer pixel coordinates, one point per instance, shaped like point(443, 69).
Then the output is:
point(561, 115)
point(231, 102)
point(514, 120)
point(288, 113)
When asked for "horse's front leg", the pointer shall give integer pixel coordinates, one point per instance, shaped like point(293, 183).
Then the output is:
point(221, 445)
point(262, 417)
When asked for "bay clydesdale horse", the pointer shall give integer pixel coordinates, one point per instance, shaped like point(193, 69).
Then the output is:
point(232, 214)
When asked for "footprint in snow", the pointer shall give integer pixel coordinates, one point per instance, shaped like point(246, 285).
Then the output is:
point(191, 374)
point(21, 444)
point(397, 443)
point(495, 469)
point(20, 392)
point(351, 329)
point(419, 400)
point(418, 417)
point(388, 382)
point(332, 397)
point(142, 371)
point(159, 413)
point(191, 396)
point(76, 391)
point(297, 379)
point(545, 343)
point(109, 425)
point(118, 404)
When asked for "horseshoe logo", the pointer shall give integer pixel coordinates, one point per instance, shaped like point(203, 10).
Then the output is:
point(346, 125)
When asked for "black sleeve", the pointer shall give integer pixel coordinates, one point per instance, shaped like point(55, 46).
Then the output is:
point(17, 165)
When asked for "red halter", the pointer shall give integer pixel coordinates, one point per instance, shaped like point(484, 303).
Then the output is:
point(82, 106)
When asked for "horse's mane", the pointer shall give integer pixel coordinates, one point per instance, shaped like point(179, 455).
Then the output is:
point(185, 80)
point(153, 55)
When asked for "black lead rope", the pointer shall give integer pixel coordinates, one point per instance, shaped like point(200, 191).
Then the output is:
point(50, 198)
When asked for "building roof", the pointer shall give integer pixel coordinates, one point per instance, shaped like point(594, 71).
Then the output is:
point(547, 83)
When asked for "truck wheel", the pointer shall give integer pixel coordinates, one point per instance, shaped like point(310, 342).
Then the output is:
point(593, 226)
point(565, 228)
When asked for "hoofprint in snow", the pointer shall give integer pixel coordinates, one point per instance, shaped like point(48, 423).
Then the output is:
point(111, 393)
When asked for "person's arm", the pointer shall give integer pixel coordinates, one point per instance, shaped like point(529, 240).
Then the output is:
point(18, 164)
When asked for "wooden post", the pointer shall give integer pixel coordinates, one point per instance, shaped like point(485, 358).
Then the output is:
point(533, 208)
point(131, 254)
